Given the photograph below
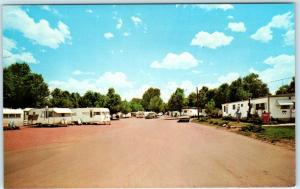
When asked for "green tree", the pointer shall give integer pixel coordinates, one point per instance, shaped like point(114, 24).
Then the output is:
point(125, 107)
point(113, 101)
point(22, 88)
point(136, 105)
point(156, 104)
point(237, 92)
point(148, 95)
point(192, 100)
point(210, 106)
point(254, 86)
point(285, 89)
point(203, 97)
point(222, 95)
point(176, 101)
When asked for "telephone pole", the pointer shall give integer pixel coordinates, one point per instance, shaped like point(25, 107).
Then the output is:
point(197, 103)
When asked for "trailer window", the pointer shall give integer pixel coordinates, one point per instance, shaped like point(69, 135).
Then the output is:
point(18, 115)
point(91, 113)
point(5, 115)
point(285, 107)
point(233, 107)
point(260, 106)
point(241, 105)
point(97, 113)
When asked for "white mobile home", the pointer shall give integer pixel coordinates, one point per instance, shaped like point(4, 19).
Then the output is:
point(279, 106)
point(91, 115)
point(191, 112)
point(14, 116)
point(50, 116)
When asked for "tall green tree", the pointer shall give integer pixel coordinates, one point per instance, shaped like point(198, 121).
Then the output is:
point(148, 95)
point(22, 88)
point(222, 95)
point(156, 104)
point(237, 92)
point(125, 107)
point(192, 100)
point(285, 89)
point(136, 105)
point(254, 86)
point(203, 97)
point(176, 101)
point(113, 101)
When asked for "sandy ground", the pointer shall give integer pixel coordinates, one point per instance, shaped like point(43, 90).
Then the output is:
point(142, 153)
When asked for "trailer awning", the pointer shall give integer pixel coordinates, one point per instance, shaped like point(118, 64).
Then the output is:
point(12, 111)
point(285, 102)
point(62, 110)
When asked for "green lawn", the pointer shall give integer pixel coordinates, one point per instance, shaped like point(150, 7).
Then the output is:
point(277, 133)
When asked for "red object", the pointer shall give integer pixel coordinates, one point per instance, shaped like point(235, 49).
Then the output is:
point(266, 118)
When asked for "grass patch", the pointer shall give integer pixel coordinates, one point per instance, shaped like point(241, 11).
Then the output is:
point(277, 133)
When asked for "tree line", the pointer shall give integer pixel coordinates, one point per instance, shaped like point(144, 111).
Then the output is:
point(23, 88)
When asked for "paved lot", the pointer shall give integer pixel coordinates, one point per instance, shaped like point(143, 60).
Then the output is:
point(143, 153)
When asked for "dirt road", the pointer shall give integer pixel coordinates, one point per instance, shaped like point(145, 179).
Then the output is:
point(145, 153)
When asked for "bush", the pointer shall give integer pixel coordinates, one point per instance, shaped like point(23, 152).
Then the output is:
point(229, 118)
point(210, 121)
point(252, 128)
point(202, 119)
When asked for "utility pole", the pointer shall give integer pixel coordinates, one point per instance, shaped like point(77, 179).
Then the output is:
point(197, 103)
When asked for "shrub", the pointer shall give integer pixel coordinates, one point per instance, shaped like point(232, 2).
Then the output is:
point(210, 121)
point(229, 118)
point(252, 128)
point(202, 119)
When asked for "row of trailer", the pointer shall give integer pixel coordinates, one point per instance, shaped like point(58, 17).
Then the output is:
point(55, 116)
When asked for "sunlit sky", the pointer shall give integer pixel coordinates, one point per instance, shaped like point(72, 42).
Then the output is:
point(133, 47)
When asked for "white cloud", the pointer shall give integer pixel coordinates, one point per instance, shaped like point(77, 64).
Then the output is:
point(117, 79)
point(264, 33)
point(209, 7)
point(79, 72)
point(228, 78)
point(281, 66)
point(237, 26)
point(45, 7)
point(281, 21)
point(74, 85)
point(289, 37)
point(126, 34)
point(213, 40)
point(108, 35)
point(230, 17)
point(196, 71)
point(8, 44)
point(171, 86)
point(136, 20)
point(49, 9)
point(40, 32)
point(119, 23)
point(10, 58)
point(184, 61)
point(89, 11)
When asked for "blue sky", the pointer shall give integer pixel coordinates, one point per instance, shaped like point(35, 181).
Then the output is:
point(133, 47)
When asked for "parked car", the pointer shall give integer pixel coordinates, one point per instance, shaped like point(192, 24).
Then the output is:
point(184, 119)
point(140, 115)
point(151, 115)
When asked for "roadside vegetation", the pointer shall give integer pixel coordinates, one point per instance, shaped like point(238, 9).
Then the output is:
point(253, 128)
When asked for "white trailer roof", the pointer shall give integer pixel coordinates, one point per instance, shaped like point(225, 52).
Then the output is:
point(62, 110)
point(12, 111)
point(285, 102)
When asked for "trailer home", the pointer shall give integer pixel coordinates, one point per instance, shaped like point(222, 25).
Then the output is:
point(50, 116)
point(279, 106)
point(91, 115)
point(14, 116)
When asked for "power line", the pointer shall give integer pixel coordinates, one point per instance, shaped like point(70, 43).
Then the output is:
point(280, 79)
